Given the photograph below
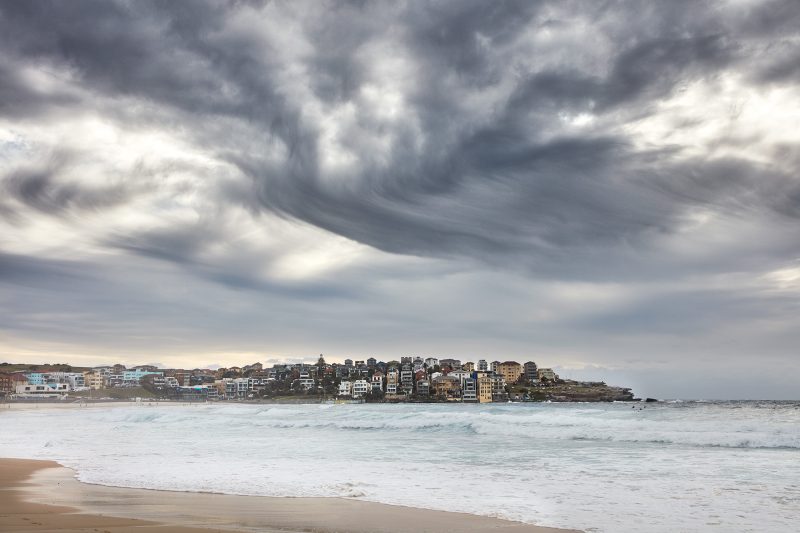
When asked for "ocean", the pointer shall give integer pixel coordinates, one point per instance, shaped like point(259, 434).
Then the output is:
point(666, 467)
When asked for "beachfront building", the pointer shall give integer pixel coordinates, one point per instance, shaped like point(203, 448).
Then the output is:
point(510, 370)
point(94, 380)
point(530, 370)
point(76, 381)
point(377, 381)
point(447, 387)
point(392, 380)
point(360, 388)
point(423, 388)
point(35, 378)
point(484, 385)
point(10, 381)
point(469, 391)
point(236, 387)
point(44, 390)
point(345, 388)
point(546, 374)
point(498, 388)
point(407, 379)
point(130, 378)
point(462, 375)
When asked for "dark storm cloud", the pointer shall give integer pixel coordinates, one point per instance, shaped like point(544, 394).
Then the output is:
point(478, 189)
point(39, 187)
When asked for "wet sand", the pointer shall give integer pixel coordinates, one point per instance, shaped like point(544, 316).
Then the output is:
point(44, 496)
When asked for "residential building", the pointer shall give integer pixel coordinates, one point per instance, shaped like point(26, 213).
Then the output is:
point(360, 388)
point(45, 389)
point(452, 364)
point(447, 387)
point(345, 388)
point(498, 388)
point(469, 366)
point(531, 371)
point(9, 382)
point(484, 382)
point(546, 374)
point(431, 362)
point(469, 391)
point(423, 388)
point(510, 370)
point(462, 375)
point(392, 380)
point(483, 366)
point(377, 381)
point(94, 380)
point(407, 379)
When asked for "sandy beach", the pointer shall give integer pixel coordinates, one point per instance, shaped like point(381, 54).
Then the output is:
point(44, 496)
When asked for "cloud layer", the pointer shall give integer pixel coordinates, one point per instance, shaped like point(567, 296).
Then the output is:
point(580, 183)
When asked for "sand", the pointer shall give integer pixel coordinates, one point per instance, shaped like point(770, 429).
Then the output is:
point(44, 496)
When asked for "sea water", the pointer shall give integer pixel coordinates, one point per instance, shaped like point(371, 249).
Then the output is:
point(688, 466)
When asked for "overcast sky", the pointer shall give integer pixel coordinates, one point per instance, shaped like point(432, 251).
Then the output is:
point(608, 188)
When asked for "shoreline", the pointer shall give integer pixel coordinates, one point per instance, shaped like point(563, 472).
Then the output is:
point(25, 485)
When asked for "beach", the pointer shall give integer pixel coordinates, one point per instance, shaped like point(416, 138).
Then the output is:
point(44, 496)
point(686, 466)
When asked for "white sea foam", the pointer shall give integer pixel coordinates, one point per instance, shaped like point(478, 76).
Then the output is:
point(667, 467)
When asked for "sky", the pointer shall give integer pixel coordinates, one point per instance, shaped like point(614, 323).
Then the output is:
point(608, 188)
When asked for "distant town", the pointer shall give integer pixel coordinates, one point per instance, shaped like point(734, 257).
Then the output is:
point(411, 379)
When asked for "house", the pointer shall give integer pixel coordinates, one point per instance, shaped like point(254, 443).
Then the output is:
point(431, 362)
point(452, 364)
point(392, 380)
point(345, 388)
point(377, 381)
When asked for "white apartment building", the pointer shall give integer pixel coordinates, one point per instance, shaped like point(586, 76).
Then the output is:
point(462, 376)
point(53, 389)
point(345, 388)
point(360, 388)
